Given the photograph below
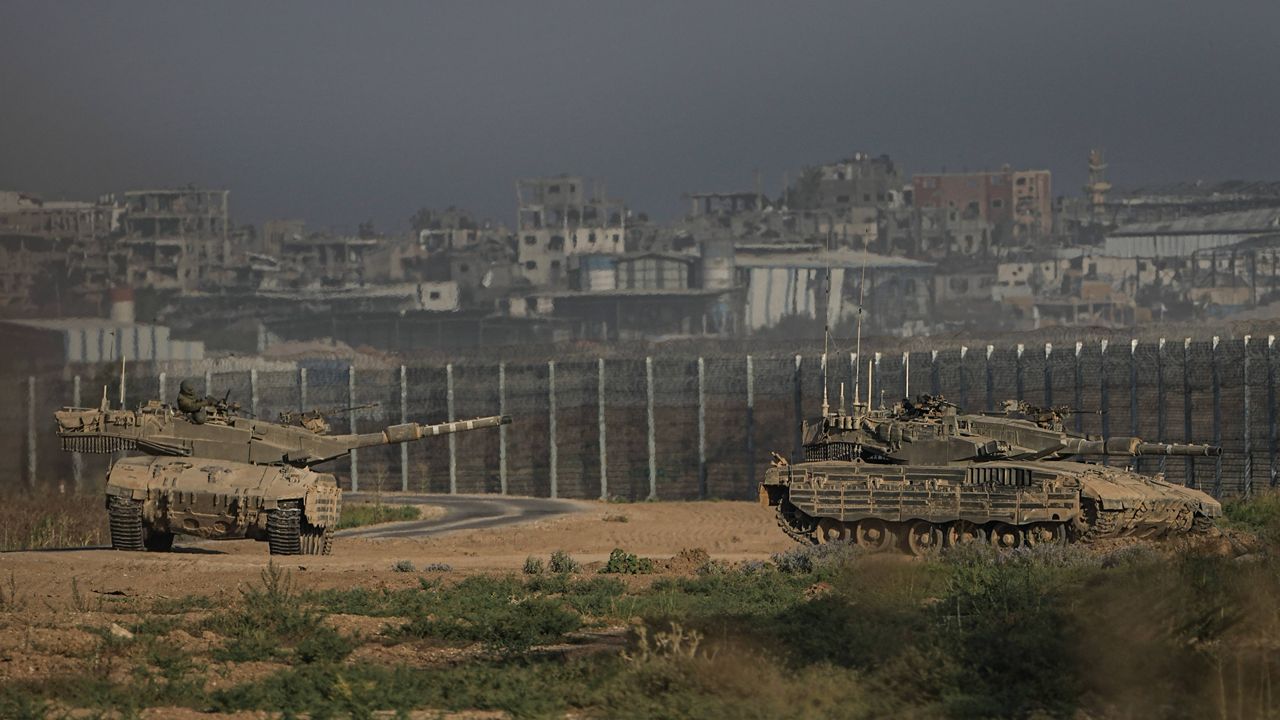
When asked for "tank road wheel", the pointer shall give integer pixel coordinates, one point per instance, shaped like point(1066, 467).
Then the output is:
point(923, 538)
point(873, 534)
point(284, 526)
point(1045, 533)
point(830, 530)
point(157, 541)
point(315, 540)
point(125, 516)
point(1201, 525)
point(963, 531)
point(1005, 536)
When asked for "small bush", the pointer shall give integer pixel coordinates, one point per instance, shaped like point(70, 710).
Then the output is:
point(405, 566)
point(362, 514)
point(622, 562)
point(807, 559)
point(437, 567)
point(617, 518)
point(562, 563)
point(533, 566)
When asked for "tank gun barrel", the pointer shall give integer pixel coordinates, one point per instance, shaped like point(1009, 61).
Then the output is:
point(409, 432)
point(1136, 447)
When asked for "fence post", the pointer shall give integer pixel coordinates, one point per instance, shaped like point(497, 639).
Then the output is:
point(1104, 397)
point(1271, 408)
point(1079, 399)
point(302, 389)
point(653, 445)
point(876, 382)
point(1190, 479)
point(751, 423)
point(702, 428)
point(502, 429)
point(964, 386)
point(31, 431)
point(208, 382)
point(1160, 400)
point(351, 425)
point(553, 454)
point(991, 381)
point(1017, 371)
point(1048, 374)
point(906, 374)
point(797, 438)
point(161, 383)
point(1133, 396)
point(1217, 415)
point(600, 430)
point(453, 438)
point(77, 462)
point(935, 382)
point(404, 418)
point(253, 392)
point(1248, 426)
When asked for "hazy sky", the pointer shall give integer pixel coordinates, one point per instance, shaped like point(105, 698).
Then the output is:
point(337, 112)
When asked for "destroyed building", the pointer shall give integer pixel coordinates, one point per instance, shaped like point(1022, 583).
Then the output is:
point(175, 239)
point(561, 216)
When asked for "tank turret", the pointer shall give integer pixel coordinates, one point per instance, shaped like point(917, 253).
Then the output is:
point(928, 474)
point(158, 429)
point(215, 474)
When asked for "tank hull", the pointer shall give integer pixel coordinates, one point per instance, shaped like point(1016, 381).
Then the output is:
point(294, 509)
point(1006, 503)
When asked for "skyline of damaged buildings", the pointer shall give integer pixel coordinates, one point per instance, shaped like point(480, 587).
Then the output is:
point(922, 253)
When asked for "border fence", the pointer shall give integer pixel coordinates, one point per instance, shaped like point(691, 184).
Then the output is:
point(667, 427)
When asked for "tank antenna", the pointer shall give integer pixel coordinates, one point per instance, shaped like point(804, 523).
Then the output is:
point(862, 294)
point(826, 328)
point(842, 398)
point(122, 380)
point(870, 377)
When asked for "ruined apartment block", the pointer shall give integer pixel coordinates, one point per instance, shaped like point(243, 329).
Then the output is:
point(174, 239)
point(561, 216)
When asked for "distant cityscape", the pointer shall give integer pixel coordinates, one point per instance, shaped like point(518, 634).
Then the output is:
point(167, 274)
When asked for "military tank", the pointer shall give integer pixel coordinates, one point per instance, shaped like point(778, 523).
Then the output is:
point(220, 475)
point(924, 475)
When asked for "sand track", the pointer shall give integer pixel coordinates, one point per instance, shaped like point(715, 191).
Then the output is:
point(727, 530)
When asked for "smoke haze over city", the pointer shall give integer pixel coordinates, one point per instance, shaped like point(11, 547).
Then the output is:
point(341, 112)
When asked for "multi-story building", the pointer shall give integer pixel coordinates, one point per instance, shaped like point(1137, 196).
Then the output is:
point(860, 181)
point(173, 239)
point(559, 217)
point(1018, 199)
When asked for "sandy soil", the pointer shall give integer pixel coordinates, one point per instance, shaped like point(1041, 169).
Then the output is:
point(726, 530)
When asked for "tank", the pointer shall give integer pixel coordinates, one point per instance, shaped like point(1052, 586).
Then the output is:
point(924, 475)
point(219, 475)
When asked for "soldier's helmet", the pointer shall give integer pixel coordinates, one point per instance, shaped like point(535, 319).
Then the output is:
point(186, 388)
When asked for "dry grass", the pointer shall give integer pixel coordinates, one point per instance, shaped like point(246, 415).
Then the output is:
point(51, 520)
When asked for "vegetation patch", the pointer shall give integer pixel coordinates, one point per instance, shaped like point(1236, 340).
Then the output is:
point(361, 514)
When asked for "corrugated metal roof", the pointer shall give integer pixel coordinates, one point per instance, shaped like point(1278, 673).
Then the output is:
point(819, 259)
point(1261, 220)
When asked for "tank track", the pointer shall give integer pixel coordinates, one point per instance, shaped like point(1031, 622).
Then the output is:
point(316, 540)
point(125, 516)
point(793, 531)
point(284, 526)
point(1201, 525)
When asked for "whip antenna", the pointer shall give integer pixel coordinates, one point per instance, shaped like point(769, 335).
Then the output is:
point(862, 294)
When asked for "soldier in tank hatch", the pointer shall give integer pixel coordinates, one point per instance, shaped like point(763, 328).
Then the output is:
point(193, 405)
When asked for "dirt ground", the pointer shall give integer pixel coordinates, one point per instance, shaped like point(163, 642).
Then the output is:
point(726, 530)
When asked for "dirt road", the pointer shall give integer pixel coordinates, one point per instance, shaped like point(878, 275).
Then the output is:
point(460, 512)
point(472, 540)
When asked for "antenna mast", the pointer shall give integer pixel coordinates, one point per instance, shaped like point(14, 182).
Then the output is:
point(826, 329)
point(862, 294)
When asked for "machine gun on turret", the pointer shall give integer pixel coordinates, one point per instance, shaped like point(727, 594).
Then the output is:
point(317, 421)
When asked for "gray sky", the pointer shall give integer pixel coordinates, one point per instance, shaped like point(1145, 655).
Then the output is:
point(337, 112)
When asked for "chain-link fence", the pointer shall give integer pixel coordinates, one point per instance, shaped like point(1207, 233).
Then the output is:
point(677, 427)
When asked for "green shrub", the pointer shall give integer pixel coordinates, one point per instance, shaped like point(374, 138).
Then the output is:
point(562, 563)
point(533, 566)
point(362, 514)
point(404, 566)
point(624, 563)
